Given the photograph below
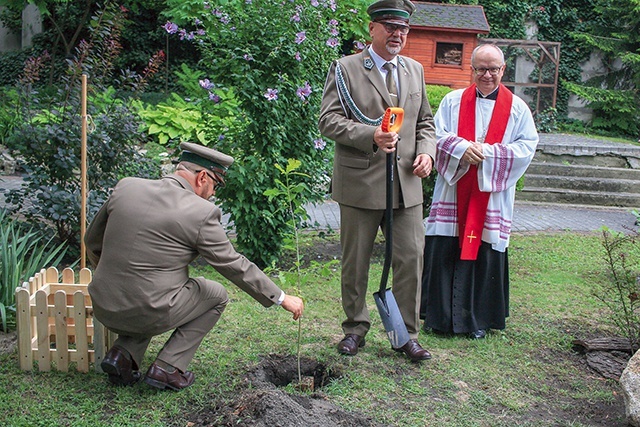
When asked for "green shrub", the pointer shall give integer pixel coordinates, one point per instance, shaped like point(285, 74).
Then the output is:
point(620, 290)
point(48, 139)
point(10, 116)
point(204, 114)
point(11, 64)
point(546, 121)
point(275, 55)
point(435, 94)
point(615, 111)
point(25, 251)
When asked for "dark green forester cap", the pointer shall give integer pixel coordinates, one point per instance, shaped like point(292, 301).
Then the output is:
point(391, 10)
point(206, 157)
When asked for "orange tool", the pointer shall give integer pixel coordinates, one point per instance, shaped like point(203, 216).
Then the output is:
point(392, 119)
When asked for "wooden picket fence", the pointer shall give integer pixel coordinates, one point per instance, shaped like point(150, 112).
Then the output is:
point(55, 322)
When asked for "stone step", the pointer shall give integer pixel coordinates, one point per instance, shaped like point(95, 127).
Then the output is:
point(581, 170)
point(578, 183)
point(555, 195)
point(572, 149)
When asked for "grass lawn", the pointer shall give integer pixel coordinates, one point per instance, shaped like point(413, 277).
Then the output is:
point(526, 375)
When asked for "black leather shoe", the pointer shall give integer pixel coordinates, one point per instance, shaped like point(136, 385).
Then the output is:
point(414, 350)
point(120, 366)
point(160, 378)
point(478, 335)
point(350, 344)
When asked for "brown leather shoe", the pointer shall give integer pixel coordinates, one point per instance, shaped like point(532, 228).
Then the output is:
point(120, 366)
point(350, 344)
point(414, 350)
point(162, 379)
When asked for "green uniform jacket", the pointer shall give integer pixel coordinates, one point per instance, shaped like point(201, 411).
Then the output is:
point(359, 172)
point(142, 241)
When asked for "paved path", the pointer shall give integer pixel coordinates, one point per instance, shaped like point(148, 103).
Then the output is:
point(528, 217)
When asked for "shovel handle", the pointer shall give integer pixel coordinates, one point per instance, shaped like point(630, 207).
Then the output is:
point(391, 122)
point(392, 119)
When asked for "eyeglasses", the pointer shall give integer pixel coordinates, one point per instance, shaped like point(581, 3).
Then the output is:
point(392, 28)
point(217, 182)
point(492, 71)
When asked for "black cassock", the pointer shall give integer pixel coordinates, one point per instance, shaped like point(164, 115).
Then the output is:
point(463, 296)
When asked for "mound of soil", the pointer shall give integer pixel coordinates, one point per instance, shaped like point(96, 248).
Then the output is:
point(264, 404)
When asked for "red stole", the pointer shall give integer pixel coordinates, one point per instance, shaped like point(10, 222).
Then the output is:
point(472, 203)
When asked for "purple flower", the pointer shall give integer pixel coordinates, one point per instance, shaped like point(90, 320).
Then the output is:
point(315, 3)
point(170, 27)
point(200, 32)
point(333, 23)
point(332, 42)
point(304, 91)
point(319, 143)
point(359, 45)
point(298, 57)
point(271, 94)
point(221, 137)
point(247, 57)
point(213, 97)
point(296, 17)
point(334, 32)
point(206, 84)
point(300, 37)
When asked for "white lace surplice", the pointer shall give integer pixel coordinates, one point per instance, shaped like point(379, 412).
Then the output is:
point(504, 164)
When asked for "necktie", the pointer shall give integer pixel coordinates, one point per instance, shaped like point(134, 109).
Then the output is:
point(391, 83)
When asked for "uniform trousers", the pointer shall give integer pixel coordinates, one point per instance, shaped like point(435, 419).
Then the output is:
point(358, 230)
point(193, 313)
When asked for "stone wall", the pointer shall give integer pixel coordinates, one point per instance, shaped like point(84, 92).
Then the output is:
point(31, 25)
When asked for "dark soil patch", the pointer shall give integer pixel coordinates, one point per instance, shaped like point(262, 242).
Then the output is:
point(8, 342)
point(265, 405)
point(587, 412)
point(326, 250)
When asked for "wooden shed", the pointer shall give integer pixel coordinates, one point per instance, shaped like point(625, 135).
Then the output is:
point(442, 38)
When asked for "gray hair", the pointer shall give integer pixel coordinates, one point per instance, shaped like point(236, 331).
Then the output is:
point(482, 46)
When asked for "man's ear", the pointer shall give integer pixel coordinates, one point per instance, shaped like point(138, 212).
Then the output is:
point(201, 178)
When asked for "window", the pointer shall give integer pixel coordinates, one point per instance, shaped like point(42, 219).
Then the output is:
point(449, 53)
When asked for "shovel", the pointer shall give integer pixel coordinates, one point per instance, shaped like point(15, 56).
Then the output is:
point(386, 302)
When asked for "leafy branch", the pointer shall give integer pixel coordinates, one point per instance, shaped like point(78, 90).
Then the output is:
point(621, 293)
point(288, 192)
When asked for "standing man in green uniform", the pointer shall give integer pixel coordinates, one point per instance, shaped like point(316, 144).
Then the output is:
point(354, 100)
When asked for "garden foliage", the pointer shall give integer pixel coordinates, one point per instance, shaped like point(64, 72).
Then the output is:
point(25, 251)
point(201, 112)
point(620, 291)
point(274, 56)
point(48, 136)
point(615, 95)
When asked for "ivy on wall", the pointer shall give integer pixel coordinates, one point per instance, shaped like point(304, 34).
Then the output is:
point(556, 21)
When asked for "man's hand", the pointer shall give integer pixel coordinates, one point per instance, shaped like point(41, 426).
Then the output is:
point(386, 141)
point(422, 165)
point(293, 305)
point(473, 154)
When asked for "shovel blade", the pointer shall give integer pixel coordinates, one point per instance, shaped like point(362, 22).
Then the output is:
point(391, 318)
